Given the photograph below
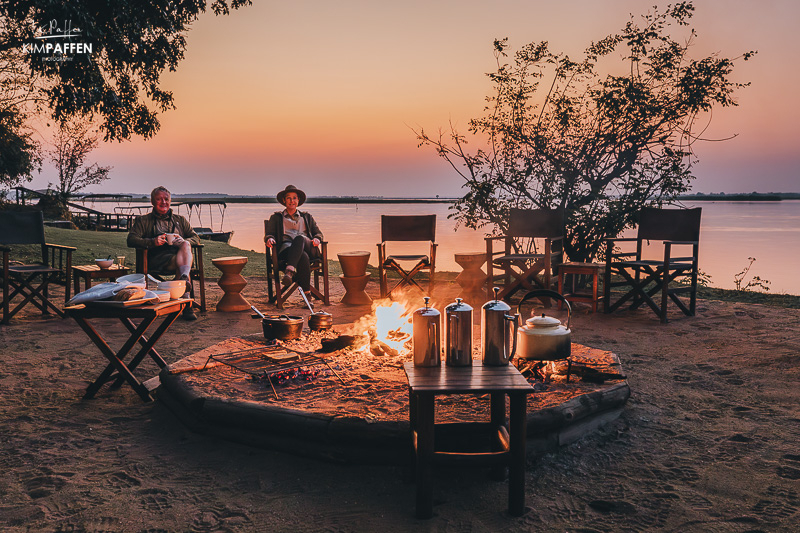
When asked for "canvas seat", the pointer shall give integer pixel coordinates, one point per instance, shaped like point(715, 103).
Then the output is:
point(31, 281)
point(641, 278)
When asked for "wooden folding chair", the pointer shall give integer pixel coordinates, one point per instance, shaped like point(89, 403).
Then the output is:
point(532, 250)
point(644, 278)
point(278, 293)
point(196, 273)
point(406, 228)
point(19, 279)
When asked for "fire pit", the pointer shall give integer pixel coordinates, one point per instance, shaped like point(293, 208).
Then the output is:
point(351, 404)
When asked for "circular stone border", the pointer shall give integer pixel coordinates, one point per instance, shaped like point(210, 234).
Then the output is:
point(356, 439)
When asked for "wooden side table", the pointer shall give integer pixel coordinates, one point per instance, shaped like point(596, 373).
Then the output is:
point(507, 445)
point(147, 315)
point(576, 269)
point(89, 272)
point(232, 283)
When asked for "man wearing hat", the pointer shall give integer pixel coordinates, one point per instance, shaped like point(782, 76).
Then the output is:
point(298, 235)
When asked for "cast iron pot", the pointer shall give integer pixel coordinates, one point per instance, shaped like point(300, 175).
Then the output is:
point(320, 321)
point(283, 327)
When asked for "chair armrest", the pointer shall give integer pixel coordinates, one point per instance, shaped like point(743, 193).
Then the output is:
point(5, 249)
point(620, 239)
point(553, 239)
point(681, 242)
point(61, 247)
point(494, 238)
point(198, 245)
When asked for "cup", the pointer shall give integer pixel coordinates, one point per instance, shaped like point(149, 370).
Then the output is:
point(121, 261)
point(170, 238)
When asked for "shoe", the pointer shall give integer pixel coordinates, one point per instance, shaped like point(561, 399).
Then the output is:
point(287, 279)
point(188, 313)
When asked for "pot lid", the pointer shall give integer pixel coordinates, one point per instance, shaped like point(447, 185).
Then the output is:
point(458, 305)
point(543, 321)
point(320, 313)
point(283, 318)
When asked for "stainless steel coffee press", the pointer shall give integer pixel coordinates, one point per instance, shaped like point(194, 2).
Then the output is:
point(426, 335)
point(458, 334)
point(498, 331)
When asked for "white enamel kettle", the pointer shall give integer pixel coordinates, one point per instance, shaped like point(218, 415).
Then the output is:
point(544, 338)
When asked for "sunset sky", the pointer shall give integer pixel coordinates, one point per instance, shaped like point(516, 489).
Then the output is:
point(324, 95)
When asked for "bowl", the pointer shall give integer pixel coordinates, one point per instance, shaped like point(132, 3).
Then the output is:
point(176, 288)
point(163, 296)
point(104, 263)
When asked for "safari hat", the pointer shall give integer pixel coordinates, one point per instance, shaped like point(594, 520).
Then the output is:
point(301, 196)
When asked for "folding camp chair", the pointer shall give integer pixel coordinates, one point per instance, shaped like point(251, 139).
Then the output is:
point(19, 279)
point(644, 278)
point(406, 228)
point(532, 251)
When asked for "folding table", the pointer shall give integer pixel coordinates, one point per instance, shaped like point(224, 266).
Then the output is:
point(148, 314)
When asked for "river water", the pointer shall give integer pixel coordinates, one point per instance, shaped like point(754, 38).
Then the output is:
point(731, 232)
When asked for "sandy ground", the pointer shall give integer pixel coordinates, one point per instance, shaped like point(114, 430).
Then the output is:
point(709, 441)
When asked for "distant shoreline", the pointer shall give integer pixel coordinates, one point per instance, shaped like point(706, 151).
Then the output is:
point(209, 198)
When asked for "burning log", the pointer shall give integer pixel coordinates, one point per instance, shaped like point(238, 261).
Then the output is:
point(380, 348)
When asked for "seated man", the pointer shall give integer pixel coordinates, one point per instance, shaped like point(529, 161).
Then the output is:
point(150, 231)
point(298, 235)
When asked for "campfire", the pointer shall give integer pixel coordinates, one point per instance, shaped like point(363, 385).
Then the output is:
point(388, 328)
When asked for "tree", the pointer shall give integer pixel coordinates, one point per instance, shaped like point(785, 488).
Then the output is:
point(601, 147)
point(118, 83)
point(73, 142)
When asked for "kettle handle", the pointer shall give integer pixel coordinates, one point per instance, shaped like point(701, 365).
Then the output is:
point(549, 294)
point(432, 339)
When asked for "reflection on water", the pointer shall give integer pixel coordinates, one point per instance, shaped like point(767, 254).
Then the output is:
point(730, 233)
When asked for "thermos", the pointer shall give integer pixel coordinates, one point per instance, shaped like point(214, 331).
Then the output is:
point(425, 340)
point(498, 331)
point(458, 334)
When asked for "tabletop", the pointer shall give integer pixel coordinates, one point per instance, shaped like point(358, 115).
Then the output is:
point(96, 310)
point(477, 378)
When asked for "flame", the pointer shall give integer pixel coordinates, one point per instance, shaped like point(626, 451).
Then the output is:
point(389, 324)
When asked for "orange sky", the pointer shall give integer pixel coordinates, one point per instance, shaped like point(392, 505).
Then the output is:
point(324, 94)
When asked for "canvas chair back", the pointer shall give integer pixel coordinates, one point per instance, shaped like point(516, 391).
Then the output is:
point(536, 222)
point(408, 228)
point(23, 227)
point(669, 224)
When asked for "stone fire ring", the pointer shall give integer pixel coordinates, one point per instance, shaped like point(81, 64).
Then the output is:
point(357, 439)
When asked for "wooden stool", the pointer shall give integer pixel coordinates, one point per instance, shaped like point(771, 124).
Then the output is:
point(231, 282)
point(576, 269)
point(472, 278)
point(89, 272)
point(354, 277)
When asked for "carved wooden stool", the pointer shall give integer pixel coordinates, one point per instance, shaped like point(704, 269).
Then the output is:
point(231, 282)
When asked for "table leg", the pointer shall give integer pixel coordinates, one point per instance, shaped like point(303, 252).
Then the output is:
point(425, 429)
point(115, 359)
point(147, 344)
point(516, 474)
point(497, 413)
point(409, 474)
point(76, 283)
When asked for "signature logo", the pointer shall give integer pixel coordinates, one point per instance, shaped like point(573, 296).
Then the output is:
point(53, 31)
point(55, 42)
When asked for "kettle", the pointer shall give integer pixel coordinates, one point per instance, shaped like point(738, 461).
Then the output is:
point(497, 332)
point(426, 334)
point(458, 334)
point(544, 338)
